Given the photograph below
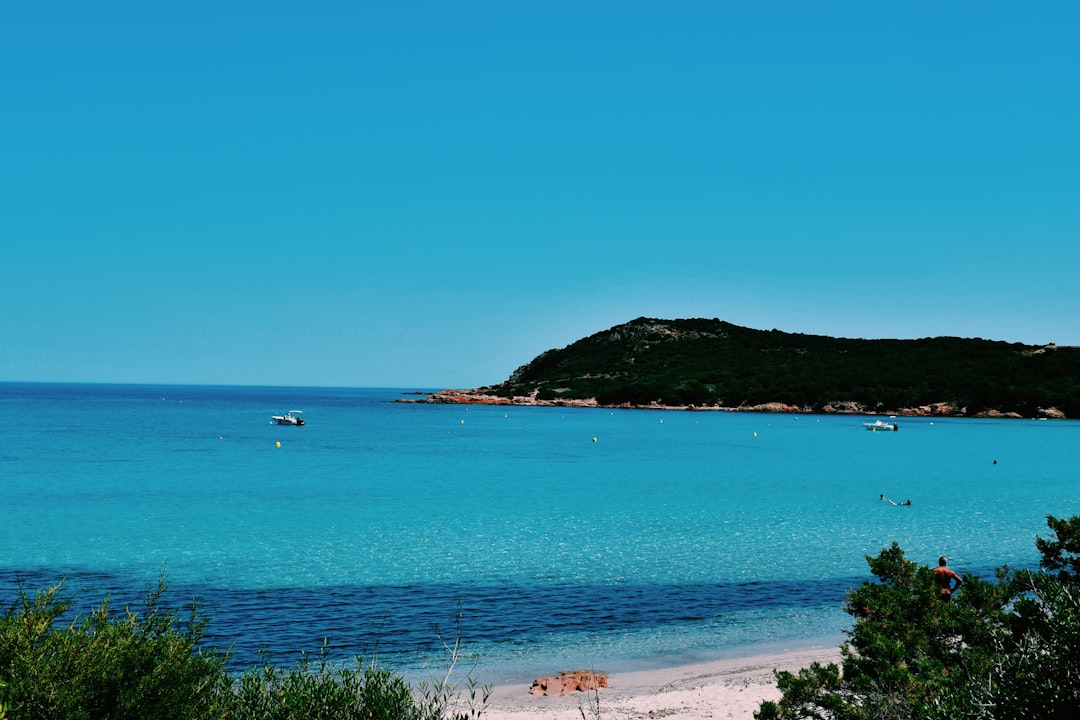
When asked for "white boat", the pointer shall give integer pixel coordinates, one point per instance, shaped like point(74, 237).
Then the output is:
point(290, 418)
point(881, 426)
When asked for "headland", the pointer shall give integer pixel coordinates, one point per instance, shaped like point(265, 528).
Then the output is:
point(701, 364)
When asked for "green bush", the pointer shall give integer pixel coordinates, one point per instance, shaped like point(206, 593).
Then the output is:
point(321, 691)
point(148, 665)
point(106, 664)
point(1008, 649)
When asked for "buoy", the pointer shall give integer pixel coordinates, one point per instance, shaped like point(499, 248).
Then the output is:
point(594, 440)
point(755, 434)
point(661, 421)
point(462, 422)
point(277, 444)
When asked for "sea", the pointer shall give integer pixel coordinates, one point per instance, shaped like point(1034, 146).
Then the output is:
point(522, 540)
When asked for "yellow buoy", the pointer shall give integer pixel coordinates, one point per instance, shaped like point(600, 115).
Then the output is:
point(594, 440)
point(755, 434)
point(277, 444)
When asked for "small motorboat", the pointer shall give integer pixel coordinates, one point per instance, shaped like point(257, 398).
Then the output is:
point(293, 417)
point(881, 426)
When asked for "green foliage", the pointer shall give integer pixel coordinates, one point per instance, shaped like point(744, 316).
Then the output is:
point(1063, 554)
point(148, 665)
point(710, 362)
point(1009, 649)
point(320, 691)
point(440, 699)
point(106, 664)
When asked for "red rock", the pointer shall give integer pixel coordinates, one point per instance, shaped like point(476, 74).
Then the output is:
point(567, 682)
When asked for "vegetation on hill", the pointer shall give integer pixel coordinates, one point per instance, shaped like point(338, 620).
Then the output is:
point(704, 362)
point(1007, 649)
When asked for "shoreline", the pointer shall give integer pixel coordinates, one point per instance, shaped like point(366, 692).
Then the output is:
point(725, 688)
point(484, 396)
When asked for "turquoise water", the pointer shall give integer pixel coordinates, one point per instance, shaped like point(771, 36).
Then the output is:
point(558, 538)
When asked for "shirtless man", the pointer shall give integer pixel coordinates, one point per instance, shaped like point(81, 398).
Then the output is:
point(944, 576)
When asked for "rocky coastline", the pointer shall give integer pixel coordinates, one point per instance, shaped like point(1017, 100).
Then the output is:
point(484, 396)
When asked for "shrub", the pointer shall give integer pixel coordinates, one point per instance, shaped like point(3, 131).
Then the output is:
point(1009, 649)
point(321, 691)
point(148, 666)
point(105, 665)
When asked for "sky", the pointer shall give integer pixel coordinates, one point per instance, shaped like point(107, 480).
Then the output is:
point(430, 194)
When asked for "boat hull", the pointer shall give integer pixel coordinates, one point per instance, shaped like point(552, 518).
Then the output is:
point(880, 426)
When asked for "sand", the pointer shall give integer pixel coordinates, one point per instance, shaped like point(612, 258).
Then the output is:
point(731, 688)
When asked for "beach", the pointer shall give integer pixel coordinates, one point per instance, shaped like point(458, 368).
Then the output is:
point(729, 688)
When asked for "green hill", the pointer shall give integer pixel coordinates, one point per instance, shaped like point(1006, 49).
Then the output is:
point(711, 363)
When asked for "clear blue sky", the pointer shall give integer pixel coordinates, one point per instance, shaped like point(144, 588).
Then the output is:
point(430, 194)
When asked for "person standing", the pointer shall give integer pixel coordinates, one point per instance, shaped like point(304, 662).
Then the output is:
point(944, 576)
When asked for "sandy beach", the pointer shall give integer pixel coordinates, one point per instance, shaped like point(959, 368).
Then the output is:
point(730, 688)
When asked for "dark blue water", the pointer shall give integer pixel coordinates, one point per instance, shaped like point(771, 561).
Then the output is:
point(547, 538)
